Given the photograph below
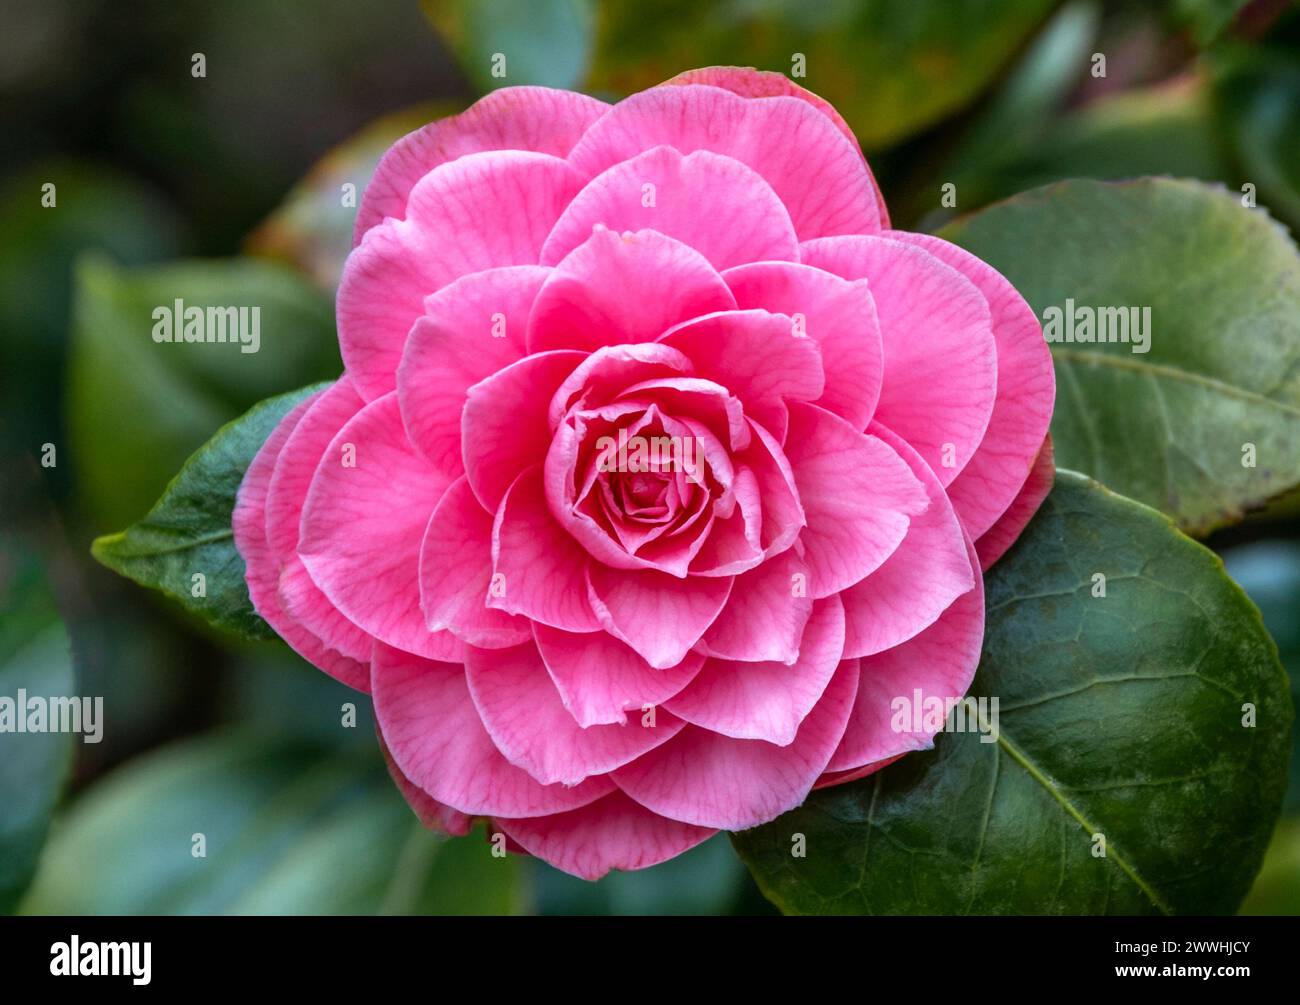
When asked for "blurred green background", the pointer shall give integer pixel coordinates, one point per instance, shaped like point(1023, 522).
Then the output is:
point(227, 185)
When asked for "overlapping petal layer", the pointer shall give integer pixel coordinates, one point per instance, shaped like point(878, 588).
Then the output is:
point(661, 469)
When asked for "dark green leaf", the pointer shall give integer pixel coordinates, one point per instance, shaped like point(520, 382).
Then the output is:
point(1173, 427)
point(286, 827)
point(1119, 715)
point(138, 408)
point(188, 531)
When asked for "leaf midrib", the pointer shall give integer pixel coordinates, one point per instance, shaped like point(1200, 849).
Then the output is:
point(1111, 853)
point(108, 541)
point(1171, 373)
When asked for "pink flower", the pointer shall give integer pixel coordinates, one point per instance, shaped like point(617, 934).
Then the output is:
point(660, 467)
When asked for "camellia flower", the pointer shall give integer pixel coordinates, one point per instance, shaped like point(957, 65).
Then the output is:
point(661, 468)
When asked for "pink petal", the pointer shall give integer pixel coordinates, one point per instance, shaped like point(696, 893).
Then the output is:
point(670, 555)
point(751, 83)
point(832, 778)
point(433, 730)
point(816, 171)
point(543, 568)
point(504, 426)
point(434, 815)
point(479, 212)
point(328, 412)
point(838, 314)
point(765, 616)
point(362, 527)
point(939, 662)
point(658, 615)
point(599, 678)
point(1003, 534)
point(456, 572)
point(783, 515)
point(703, 778)
point(756, 356)
point(261, 568)
point(471, 328)
point(522, 712)
point(768, 700)
point(1026, 392)
point(703, 400)
point(294, 470)
point(621, 288)
point(927, 572)
point(940, 377)
point(734, 545)
point(745, 222)
point(858, 496)
point(612, 833)
point(609, 370)
point(302, 600)
point(540, 119)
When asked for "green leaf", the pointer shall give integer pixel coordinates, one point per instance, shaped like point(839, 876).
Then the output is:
point(33, 766)
point(287, 828)
point(507, 42)
point(1169, 427)
point(312, 228)
point(890, 68)
point(188, 531)
point(138, 408)
point(1119, 715)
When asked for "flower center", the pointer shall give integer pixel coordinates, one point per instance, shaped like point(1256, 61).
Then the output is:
point(643, 490)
